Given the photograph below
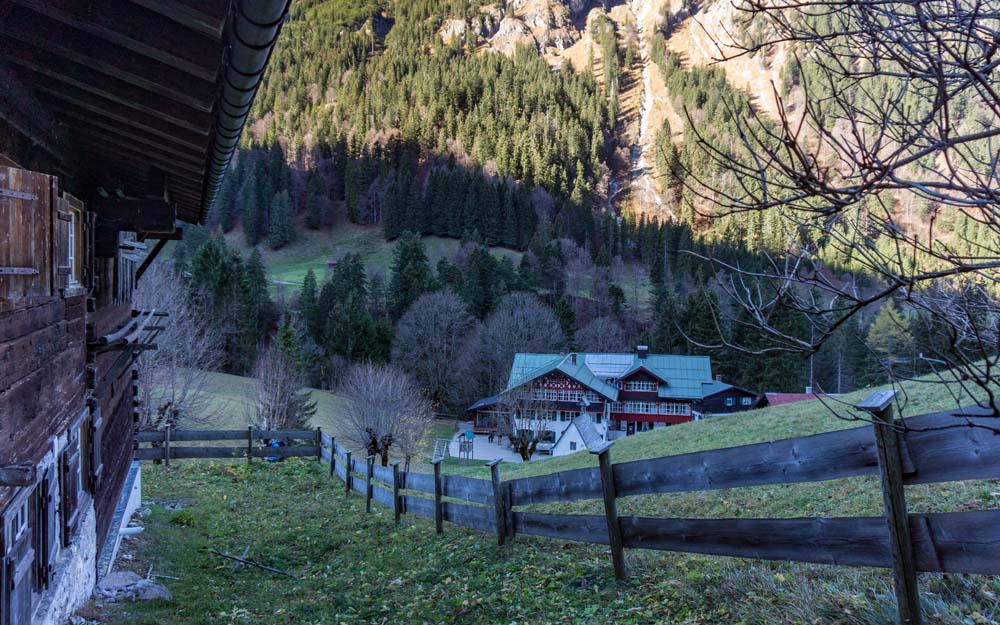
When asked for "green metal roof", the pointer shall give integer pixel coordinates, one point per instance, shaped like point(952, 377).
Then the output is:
point(685, 377)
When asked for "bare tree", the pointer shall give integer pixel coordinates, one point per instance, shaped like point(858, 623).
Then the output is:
point(280, 401)
point(900, 107)
point(428, 342)
point(523, 420)
point(173, 387)
point(603, 334)
point(520, 323)
point(383, 411)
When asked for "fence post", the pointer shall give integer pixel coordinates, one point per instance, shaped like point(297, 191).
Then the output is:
point(397, 504)
point(348, 477)
point(166, 446)
point(438, 510)
point(880, 405)
point(319, 444)
point(333, 456)
point(603, 452)
point(249, 444)
point(508, 509)
point(368, 483)
point(498, 501)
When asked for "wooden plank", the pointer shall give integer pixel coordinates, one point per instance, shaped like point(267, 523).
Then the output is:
point(326, 457)
point(611, 509)
point(475, 517)
point(838, 541)
point(180, 453)
point(383, 474)
point(880, 405)
point(289, 451)
point(157, 436)
point(305, 435)
point(422, 482)
point(382, 496)
point(957, 542)
point(847, 453)
point(359, 485)
point(572, 485)
point(467, 489)
point(139, 30)
point(419, 506)
point(341, 470)
point(956, 453)
point(584, 528)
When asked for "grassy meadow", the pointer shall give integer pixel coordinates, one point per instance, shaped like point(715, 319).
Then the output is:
point(362, 568)
point(314, 248)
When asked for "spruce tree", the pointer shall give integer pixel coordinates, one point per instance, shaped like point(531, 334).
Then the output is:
point(282, 230)
point(411, 274)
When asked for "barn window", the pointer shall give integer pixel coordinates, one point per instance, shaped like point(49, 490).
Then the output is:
point(572, 445)
point(730, 401)
point(746, 401)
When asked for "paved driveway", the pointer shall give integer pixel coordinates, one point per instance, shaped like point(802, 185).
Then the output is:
point(482, 449)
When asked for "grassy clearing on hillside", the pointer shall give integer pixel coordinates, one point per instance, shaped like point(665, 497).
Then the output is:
point(356, 568)
point(314, 248)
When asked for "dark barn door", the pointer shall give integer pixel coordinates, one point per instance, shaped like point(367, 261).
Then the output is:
point(18, 563)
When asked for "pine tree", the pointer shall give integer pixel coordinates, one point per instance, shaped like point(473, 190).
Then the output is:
point(411, 274)
point(256, 311)
point(252, 210)
point(282, 229)
point(315, 200)
point(567, 319)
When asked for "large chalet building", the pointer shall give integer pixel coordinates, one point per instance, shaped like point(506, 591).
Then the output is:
point(580, 399)
point(118, 119)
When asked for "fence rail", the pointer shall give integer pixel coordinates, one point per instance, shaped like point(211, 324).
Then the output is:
point(928, 448)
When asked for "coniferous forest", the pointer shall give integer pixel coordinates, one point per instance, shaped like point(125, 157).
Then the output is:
point(369, 116)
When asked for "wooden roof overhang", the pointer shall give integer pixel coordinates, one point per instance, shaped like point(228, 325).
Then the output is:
point(134, 99)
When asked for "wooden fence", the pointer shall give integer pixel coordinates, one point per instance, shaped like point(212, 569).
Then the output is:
point(918, 450)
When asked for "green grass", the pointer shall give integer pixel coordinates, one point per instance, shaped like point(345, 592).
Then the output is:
point(228, 397)
point(314, 248)
point(361, 568)
point(358, 568)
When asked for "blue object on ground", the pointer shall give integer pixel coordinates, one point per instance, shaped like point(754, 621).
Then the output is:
point(275, 443)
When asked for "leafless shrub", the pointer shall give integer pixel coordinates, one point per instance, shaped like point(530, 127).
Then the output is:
point(383, 411)
point(173, 387)
point(523, 421)
point(279, 400)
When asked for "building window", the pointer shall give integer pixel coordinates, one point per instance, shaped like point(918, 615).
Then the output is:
point(19, 524)
point(746, 401)
point(640, 385)
point(730, 401)
point(572, 445)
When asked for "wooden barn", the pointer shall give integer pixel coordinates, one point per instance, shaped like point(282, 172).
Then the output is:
point(118, 119)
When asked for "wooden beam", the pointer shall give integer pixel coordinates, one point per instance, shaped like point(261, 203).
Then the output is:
point(92, 114)
point(204, 16)
point(880, 405)
point(603, 453)
point(498, 501)
point(438, 509)
point(58, 74)
point(146, 262)
point(138, 29)
point(397, 502)
point(56, 38)
point(369, 463)
point(18, 475)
